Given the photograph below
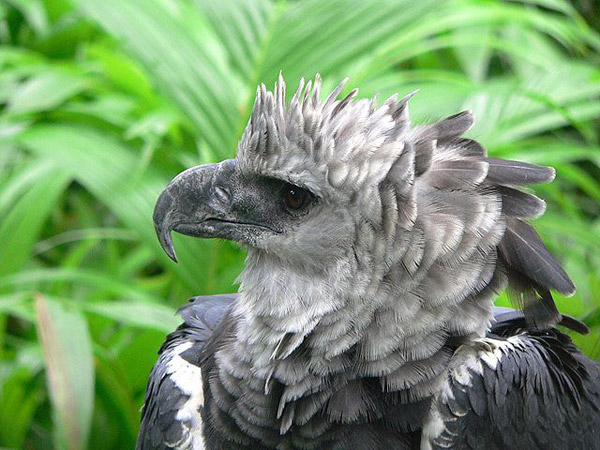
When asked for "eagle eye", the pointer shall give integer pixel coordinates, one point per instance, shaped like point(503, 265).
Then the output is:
point(294, 197)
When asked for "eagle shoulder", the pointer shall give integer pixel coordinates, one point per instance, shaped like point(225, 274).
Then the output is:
point(528, 389)
point(171, 416)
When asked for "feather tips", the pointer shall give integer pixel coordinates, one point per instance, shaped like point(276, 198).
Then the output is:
point(520, 204)
point(449, 128)
point(535, 301)
point(503, 171)
point(524, 251)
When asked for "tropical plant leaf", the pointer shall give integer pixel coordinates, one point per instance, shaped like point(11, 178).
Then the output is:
point(189, 70)
point(37, 278)
point(243, 28)
point(18, 404)
point(20, 227)
point(140, 314)
point(67, 349)
point(44, 91)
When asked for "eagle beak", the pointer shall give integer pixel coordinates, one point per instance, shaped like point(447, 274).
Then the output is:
point(218, 201)
point(187, 201)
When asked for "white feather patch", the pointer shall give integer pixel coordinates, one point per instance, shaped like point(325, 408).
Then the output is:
point(467, 360)
point(188, 379)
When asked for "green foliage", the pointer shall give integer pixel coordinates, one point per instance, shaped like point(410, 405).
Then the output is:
point(103, 101)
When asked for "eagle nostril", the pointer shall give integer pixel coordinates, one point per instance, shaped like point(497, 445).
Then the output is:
point(222, 194)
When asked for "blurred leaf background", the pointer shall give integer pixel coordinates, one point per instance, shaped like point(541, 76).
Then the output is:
point(102, 102)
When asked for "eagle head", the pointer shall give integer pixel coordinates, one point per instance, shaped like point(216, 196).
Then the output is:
point(344, 205)
point(306, 177)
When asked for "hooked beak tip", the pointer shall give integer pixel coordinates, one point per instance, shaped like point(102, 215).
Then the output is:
point(166, 242)
point(163, 225)
point(167, 245)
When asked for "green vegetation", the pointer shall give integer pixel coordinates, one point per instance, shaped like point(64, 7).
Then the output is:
point(103, 101)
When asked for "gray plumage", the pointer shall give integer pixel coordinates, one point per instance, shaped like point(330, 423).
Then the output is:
point(365, 319)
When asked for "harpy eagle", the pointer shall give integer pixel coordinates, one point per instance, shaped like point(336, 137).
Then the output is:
point(364, 318)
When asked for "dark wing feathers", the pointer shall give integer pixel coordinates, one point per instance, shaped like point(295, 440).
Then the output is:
point(532, 390)
point(160, 428)
point(532, 270)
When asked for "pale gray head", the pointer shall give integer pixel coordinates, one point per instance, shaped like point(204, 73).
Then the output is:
point(306, 175)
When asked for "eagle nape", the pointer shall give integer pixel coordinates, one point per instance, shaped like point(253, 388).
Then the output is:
point(364, 318)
